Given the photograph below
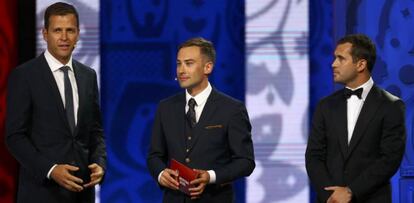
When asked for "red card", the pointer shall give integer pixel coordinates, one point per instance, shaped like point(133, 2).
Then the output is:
point(186, 175)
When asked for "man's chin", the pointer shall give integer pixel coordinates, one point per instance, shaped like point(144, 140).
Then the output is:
point(64, 54)
point(337, 80)
point(340, 82)
point(184, 86)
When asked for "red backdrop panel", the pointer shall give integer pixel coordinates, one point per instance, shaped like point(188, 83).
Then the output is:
point(8, 58)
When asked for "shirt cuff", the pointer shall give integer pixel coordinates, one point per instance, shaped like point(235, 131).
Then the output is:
point(50, 171)
point(159, 176)
point(212, 176)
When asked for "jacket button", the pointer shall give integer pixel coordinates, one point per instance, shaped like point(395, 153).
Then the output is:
point(187, 160)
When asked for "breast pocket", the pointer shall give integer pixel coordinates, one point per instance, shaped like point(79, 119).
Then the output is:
point(215, 135)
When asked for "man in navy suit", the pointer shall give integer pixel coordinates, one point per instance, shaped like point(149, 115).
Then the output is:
point(358, 133)
point(202, 128)
point(53, 124)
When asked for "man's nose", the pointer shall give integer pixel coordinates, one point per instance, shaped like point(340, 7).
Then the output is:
point(333, 65)
point(180, 68)
point(64, 36)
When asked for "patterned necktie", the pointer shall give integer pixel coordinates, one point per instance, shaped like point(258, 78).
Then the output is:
point(68, 99)
point(191, 116)
point(348, 93)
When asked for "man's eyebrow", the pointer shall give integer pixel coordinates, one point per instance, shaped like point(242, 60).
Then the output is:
point(339, 55)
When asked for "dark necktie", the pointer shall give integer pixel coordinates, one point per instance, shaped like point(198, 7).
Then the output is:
point(191, 116)
point(70, 115)
point(348, 93)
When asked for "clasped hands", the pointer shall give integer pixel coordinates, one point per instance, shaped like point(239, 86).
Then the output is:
point(169, 179)
point(62, 174)
point(339, 195)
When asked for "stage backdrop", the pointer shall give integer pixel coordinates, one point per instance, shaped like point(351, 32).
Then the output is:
point(8, 60)
point(277, 96)
point(138, 51)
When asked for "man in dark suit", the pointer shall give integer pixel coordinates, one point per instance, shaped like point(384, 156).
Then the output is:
point(358, 133)
point(53, 124)
point(202, 128)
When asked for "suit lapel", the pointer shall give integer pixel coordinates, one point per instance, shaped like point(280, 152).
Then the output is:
point(80, 82)
point(208, 110)
point(179, 121)
point(368, 111)
point(50, 80)
point(341, 116)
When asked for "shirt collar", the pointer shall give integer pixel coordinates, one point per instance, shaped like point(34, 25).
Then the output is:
point(55, 64)
point(366, 88)
point(201, 97)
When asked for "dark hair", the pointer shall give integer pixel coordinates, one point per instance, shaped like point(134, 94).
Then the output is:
point(362, 48)
point(206, 47)
point(60, 9)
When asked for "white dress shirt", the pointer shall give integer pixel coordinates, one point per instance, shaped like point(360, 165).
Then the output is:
point(55, 66)
point(201, 99)
point(354, 106)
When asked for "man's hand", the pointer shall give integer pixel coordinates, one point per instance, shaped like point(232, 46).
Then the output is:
point(96, 175)
point(169, 179)
point(200, 184)
point(62, 176)
point(339, 195)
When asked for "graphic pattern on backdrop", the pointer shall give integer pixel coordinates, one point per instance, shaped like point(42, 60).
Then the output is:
point(277, 98)
point(321, 46)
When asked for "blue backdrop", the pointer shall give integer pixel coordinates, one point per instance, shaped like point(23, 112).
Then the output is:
point(390, 24)
point(138, 53)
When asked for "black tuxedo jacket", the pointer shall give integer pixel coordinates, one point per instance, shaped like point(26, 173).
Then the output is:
point(222, 143)
point(373, 155)
point(38, 133)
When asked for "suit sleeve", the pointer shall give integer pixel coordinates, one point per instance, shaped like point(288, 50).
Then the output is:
point(392, 148)
point(18, 124)
point(240, 146)
point(97, 144)
point(157, 155)
point(316, 155)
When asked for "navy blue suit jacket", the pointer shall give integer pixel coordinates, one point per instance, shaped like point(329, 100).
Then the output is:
point(38, 134)
point(222, 143)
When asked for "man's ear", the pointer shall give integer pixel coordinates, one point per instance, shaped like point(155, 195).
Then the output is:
point(208, 68)
point(44, 33)
point(362, 65)
point(78, 37)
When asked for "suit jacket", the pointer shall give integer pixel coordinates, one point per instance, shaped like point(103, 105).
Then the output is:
point(38, 133)
point(373, 155)
point(222, 142)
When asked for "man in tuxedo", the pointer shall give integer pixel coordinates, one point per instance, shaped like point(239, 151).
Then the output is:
point(202, 128)
point(53, 124)
point(358, 133)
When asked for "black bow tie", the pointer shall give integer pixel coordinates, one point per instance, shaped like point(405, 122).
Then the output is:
point(358, 92)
